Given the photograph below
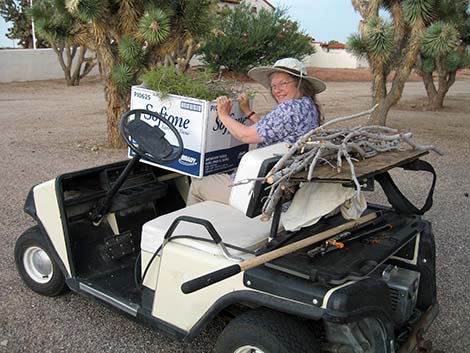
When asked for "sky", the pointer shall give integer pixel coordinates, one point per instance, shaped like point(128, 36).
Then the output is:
point(323, 20)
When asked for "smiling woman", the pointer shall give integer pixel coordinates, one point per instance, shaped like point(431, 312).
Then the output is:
point(296, 114)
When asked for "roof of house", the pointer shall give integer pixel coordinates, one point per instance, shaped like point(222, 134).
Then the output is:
point(333, 46)
point(238, 1)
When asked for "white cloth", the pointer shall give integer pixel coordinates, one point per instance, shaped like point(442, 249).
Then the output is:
point(315, 200)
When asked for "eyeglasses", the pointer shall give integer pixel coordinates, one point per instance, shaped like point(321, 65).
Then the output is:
point(282, 84)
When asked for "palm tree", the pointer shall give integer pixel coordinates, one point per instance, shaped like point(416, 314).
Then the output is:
point(390, 45)
point(131, 36)
point(444, 50)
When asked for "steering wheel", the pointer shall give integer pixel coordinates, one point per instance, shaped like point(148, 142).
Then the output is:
point(147, 141)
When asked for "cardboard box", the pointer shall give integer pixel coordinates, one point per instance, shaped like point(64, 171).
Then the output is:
point(208, 146)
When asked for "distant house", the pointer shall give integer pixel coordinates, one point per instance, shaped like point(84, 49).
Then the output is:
point(333, 55)
point(334, 46)
point(255, 5)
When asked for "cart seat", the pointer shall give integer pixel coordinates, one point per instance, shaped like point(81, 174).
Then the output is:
point(249, 197)
point(238, 223)
point(232, 225)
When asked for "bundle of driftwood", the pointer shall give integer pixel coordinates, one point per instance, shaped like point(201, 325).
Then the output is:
point(333, 147)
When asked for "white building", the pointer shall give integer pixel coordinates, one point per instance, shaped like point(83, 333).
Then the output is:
point(334, 56)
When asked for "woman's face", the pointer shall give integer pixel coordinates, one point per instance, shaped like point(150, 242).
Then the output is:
point(284, 87)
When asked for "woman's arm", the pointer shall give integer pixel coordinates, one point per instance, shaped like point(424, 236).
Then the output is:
point(245, 134)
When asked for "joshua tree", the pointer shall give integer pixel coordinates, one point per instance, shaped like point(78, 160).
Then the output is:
point(390, 45)
point(68, 36)
point(15, 11)
point(444, 49)
point(133, 35)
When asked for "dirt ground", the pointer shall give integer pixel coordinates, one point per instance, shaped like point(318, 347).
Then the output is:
point(49, 129)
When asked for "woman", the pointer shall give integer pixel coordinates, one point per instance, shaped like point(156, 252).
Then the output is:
point(296, 114)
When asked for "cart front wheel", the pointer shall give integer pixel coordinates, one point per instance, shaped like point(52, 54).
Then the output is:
point(266, 331)
point(36, 266)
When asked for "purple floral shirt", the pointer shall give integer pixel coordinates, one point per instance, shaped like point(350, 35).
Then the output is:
point(288, 121)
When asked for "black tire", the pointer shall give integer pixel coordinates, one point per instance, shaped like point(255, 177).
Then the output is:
point(266, 331)
point(37, 266)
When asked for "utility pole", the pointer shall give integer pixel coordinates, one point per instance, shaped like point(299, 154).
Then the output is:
point(32, 27)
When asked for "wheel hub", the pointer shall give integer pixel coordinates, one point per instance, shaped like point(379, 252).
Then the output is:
point(248, 349)
point(38, 265)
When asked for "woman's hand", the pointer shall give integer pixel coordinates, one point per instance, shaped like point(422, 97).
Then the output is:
point(245, 134)
point(244, 103)
point(224, 106)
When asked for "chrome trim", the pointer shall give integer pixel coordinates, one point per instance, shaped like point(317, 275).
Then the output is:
point(126, 307)
point(227, 254)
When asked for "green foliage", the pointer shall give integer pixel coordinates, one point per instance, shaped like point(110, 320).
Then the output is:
point(131, 51)
point(428, 65)
point(443, 39)
point(376, 41)
point(357, 46)
point(379, 38)
point(53, 22)
point(16, 12)
point(453, 61)
point(168, 80)
point(194, 17)
point(87, 10)
point(142, 33)
point(466, 60)
point(420, 10)
point(440, 39)
point(443, 47)
point(242, 39)
point(155, 26)
point(122, 75)
point(452, 10)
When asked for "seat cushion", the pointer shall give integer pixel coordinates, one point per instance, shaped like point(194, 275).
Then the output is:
point(232, 225)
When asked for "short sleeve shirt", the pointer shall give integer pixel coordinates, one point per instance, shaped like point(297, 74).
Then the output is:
point(288, 121)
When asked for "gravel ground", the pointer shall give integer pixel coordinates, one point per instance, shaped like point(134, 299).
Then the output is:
point(49, 129)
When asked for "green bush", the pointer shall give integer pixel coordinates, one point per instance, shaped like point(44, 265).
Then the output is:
point(242, 39)
point(466, 60)
point(169, 80)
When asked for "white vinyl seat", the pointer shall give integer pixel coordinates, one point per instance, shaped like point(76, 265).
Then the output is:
point(230, 221)
point(232, 225)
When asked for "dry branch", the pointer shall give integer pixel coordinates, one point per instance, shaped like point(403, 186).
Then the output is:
point(330, 147)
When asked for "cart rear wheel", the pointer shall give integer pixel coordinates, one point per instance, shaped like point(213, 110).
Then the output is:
point(36, 266)
point(266, 331)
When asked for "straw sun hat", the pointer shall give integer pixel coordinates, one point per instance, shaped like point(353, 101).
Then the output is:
point(291, 66)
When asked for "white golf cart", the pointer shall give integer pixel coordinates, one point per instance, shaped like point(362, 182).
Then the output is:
point(122, 235)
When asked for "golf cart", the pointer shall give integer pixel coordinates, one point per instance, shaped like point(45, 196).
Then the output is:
point(122, 235)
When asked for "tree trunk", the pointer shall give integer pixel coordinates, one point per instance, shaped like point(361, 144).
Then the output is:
point(428, 81)
point(70, 54)
point(65, 68)
point(379, 116)
point(379, 84)
point(445, 81)
point(78, 66)
point(117, 105)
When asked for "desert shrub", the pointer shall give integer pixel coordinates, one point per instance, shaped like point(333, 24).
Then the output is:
point(242, 39)
point(169, 80)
